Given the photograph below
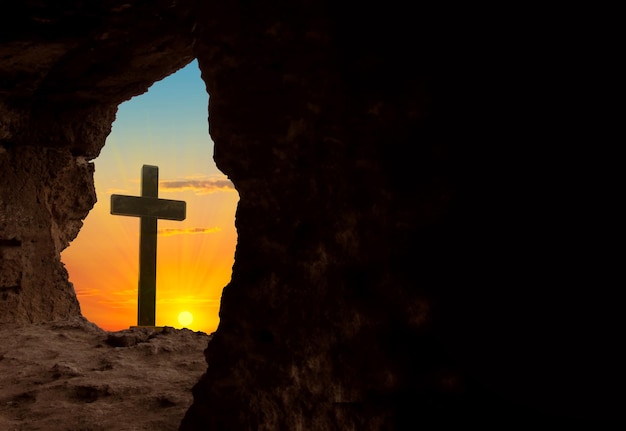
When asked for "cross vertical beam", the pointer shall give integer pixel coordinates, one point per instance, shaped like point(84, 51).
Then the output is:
point(149, 208)
point(146, 295)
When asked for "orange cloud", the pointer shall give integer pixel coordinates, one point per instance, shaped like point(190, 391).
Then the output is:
point(199, 186)
point(86, 292)
point(188, 230)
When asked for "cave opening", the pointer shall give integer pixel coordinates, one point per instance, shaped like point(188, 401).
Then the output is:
point(167, 127)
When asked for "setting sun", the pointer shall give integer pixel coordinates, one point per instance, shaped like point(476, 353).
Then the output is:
point(185, 318)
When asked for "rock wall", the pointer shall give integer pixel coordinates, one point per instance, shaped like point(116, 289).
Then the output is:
point(343, 188)
point(45, 196)
point(65, 68)
point(395, 265)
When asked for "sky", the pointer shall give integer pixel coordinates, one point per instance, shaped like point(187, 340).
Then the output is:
point(167, 127)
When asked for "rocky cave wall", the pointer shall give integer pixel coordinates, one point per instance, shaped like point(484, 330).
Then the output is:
point(65, 67)
point(323, 325)
point(378, 283)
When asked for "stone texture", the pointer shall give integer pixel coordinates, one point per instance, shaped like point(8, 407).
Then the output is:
point(395, 265)
point(45, 195)
point(328, 253)
point(66, 67)
point(65, 375)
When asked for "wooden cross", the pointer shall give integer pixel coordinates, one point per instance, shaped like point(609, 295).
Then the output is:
point(150, 208)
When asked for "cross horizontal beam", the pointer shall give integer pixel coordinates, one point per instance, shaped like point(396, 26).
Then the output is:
point(141, 206)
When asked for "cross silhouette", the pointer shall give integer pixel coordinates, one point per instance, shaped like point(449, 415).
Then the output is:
point(150, 208)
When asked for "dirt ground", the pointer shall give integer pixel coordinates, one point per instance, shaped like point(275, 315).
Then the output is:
point(74, 376)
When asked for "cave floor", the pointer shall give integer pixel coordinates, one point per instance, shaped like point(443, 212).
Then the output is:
point(72, 375)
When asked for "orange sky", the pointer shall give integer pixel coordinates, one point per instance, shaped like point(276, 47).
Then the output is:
point(166, 127)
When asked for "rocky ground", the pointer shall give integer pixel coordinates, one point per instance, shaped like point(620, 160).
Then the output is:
point(74, 376)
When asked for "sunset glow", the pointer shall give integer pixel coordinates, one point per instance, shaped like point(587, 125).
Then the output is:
point(166, 127)
point(185, 318)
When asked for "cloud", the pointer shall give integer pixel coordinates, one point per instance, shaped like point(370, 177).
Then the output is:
point(203, 186)
point(188, 230)
point(85, 292)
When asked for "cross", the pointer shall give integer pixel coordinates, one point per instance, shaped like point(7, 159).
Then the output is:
point(150, 208)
